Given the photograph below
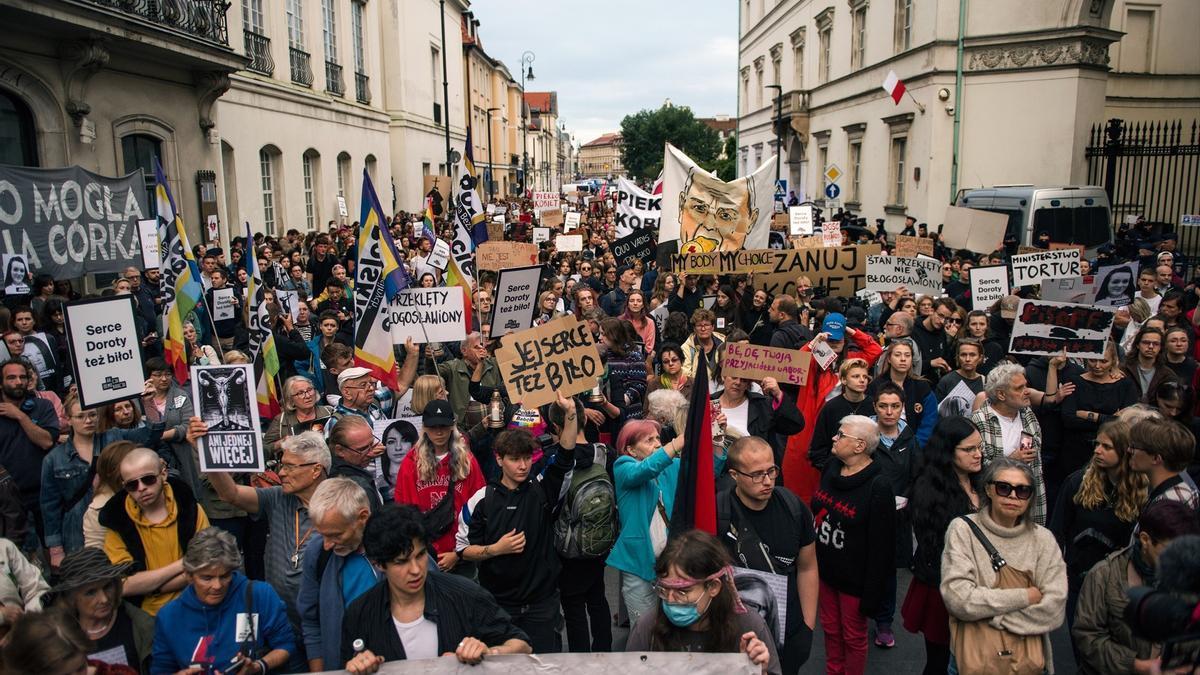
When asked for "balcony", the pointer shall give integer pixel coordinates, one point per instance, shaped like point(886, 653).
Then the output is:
point(333, 79)
point(204, 19)
point(301, 67)
point(362, 88)
point(795, 112)
point(258, 50)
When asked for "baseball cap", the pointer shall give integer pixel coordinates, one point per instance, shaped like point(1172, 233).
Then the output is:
point(352, 373)
point(835, 325)
point(1008, 306)
point(438, 413)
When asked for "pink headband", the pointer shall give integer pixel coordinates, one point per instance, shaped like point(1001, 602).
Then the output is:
point(686, 582)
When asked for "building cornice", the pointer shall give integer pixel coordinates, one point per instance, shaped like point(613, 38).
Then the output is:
point(1081, 46)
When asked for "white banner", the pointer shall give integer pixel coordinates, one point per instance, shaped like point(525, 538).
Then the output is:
point(541, 234)
point(919, 275)
point(704, 213)
point(151, 249)
point(104, 350)
point(572, 220)
point(1048, 328)
point(1031, 268)
point(569, 242)
point(545, 200)
point(599, 663)
point(800, 220)
point(636, 208)
point(516, 300)
point(988, 284)
point(427, 315)
point(439, 256)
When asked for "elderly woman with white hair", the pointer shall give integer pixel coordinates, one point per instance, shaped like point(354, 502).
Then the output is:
point(1010, 429)
point(206, 628)
point(301, 411)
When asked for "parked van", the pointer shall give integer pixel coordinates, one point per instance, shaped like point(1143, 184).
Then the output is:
point(1071, 214)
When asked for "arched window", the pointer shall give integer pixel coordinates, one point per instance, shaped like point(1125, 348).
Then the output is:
point(138, 151)
point(310, 171)
point(18, 136)
point(268, 172)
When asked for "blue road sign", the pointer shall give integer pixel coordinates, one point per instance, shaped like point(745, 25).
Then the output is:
point(832, 191)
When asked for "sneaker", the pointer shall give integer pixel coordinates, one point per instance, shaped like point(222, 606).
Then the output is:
point(884, 637)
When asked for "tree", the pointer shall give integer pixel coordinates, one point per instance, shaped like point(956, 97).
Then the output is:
point(726, 168)
point(645, 133)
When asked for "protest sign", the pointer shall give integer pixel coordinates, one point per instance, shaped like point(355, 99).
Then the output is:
point(224, 304)
point(756, 362)
point(541, 234)
point(919, 275)
point(639, 245)
point(427, 315)
point(151, 249)
point(104, 349)
point(635, 208)
point(571, 221)
point(342, 210)
point(498, 255)
point(958, 401)
point(1059, 246)
point(781, 220)
point(708, 301)
point(800, 220)
point(1115, 285)
point(842, 270)
point(556, 357)
point(973, 229)
point(1045, 328)
point(16, 274)
point(545, 200)
point(552, 218)
point(909, 247)
point(289, 301)
point(1073, 289)
point(495, 229)
point(516, 299)
point(398, 436)
point(490, 209)
point(758, 584)
point(1030, 268)
point(70, 222)
point(823, 354)
point(439, 256)
point(598, 663)
point(988, 284)
point(568, 242)
point(812, 241)
point(442, 185)
point(225, 400)
point(691, 196)
point(831, 233)
point(726, 262)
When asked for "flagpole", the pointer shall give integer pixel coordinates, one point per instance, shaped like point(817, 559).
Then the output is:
point(914, 100)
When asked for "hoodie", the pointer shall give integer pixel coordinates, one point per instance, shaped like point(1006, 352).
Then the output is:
point(188, 631)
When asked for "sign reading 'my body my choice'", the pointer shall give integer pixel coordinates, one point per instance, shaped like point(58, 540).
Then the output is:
point(104, 350)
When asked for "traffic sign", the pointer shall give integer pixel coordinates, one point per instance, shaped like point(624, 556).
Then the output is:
point(780, 189)
point(832, 190)
point(833, 173)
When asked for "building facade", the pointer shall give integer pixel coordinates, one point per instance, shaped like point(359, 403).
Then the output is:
point(724, 125)
point(601, 157)
point(1035, 76)
point(495, 115)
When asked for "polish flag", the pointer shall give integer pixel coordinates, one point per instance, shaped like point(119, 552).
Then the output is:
point(894, 86)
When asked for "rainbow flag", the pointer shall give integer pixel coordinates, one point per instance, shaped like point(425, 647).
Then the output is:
point(427, 224)
point(180, 285)
point(378, 276)
point(262, 350)
point(455, 277)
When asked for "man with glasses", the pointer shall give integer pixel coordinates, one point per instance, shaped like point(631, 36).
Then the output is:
point(930, 337)
point(766, 527)
point(899, 328)
point(355, 450)
point(151, 527)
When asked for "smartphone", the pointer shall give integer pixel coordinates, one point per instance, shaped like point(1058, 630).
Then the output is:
point(716, 410)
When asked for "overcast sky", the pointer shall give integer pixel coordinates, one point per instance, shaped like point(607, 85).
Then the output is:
point(611, 58)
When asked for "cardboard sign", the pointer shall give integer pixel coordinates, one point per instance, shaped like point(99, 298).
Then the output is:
point(225, 400)
point(516, 300)
point(988, 284)
point(1031, 268)
point(843, 270)
point(572, 220)
point(439, 256)
point(151, 249)
point(972, 229)
point(224, 304)
point(637, 246)
point(427, 315)
point(553, 218)
point(919, 275)
point(1048, 328)
point(499, 255)
point(442, 184)
point(545, 200)
point(808, 242)
point(1059, 246)
point(556, 357)
point(495, 230)
point(756, 362)
point(104, 349)
point(800, 220)
point(744, 261)
point(569, 242)
point(541, 234)
point(909, 247)
point(831, 233)
point(781, 220)
point(1115, 285)
point(1076, 289)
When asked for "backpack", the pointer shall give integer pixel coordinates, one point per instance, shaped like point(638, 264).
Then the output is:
point(587, 525)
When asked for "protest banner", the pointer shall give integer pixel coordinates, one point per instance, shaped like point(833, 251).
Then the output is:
point(909, 247)
point(541, 234)
point(557, 357)
point(690, 195)
point(225, 400)
point(841, 270)
point(70, 222)
point(598, 663)
point(489, 209)
point(545, 200)
point(1073, 289)
point(635, 208)
point(495, 229)
point(104, 348)
point(1115, 285)
point(571, 221)
point(1031, 268)
point(439, 256)
point(756, 362)
point(148, 239)
point(745, 261)
point(919, 275)
point(811, 241)
point(1059, 246)
point(551, 218)
point(289, 302)
point(224, 304)
point(16, 274)
point(1045, 328)
point(988, 284)
point(516, 299)
point(800, 220)
point(499, 255)
point(781, 220)
point(427, 315)
point(831, 233)
point(973, 229)
point(639, 245)
point(568, 242)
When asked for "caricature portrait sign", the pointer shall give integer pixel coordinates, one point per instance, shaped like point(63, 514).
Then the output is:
point(704, 213)
point(225, 401)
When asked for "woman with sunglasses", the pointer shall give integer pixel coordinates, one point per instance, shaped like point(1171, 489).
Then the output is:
point(1030, 550)
point(698, 608)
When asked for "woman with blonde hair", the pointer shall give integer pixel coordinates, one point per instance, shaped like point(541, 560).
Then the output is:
point(427, 388)
point(301, 411)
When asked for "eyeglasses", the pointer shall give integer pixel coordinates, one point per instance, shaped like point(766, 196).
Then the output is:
point(1021, 492)
point(970, 449)
point(90, 415)
point(305, 392)
point(759, 477)
point(365, 449)
point(670, 361)
point(954, 319)
point(146, 481)
point(841, 434)
point(284, 466)
point(675, 595)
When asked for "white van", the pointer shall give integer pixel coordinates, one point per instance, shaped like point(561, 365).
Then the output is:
point(1071, 214)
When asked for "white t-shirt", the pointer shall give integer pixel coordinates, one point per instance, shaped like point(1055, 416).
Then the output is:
point(419, 637)
point(1154, 301)
point(738, 419)
point(1010, 430)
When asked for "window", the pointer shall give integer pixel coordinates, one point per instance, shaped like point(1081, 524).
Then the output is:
point(823, 157)
point(1137, 45)
point(823, 58)
point(855, 160)
point(343, 173)
point(898, 158)
point(329, 28)
point(252, 16)
point(356, 18)
point(18, 135)
point(858, 36)
point(798, 66)
point(138, 151)
point(310, 206)
point(435, 62)
point(903, 33)
point(758, 89)
point(266, 168)
point(370, 164)
point(745, 90)
point(295, 24)
point(776, 62)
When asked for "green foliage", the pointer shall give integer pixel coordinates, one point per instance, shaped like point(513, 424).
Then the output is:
point(726, 169)
point(645, 133)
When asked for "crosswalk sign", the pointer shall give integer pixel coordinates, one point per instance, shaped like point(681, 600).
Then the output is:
point(780, 189)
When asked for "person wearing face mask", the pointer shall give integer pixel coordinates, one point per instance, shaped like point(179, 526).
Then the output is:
point(698, 608)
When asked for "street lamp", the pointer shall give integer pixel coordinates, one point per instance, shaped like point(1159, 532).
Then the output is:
point(778, 130)
point(526, 65)
point(491, 162)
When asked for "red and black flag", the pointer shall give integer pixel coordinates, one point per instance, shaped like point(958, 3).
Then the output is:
point(696, 493)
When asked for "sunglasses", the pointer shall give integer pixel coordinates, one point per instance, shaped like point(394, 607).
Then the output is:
point(1021, 492)
point(146, 481)
point(954, 319)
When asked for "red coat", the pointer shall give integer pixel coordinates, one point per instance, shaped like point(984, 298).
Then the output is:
point(800, 476)
point(426, 495)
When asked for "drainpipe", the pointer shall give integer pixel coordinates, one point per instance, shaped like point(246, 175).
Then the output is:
point(958, 87)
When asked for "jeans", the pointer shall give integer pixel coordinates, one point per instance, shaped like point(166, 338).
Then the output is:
point(845, 632)
point(585, 606)
point(540, 620)
point(887, 608)
point(639, 596)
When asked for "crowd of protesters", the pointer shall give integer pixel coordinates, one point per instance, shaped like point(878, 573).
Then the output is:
point(488, 528)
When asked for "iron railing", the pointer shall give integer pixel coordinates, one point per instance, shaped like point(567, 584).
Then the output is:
point(333, 79)
point(204, 19)
point(258, 49)
point(301, 67)
point(362, 88)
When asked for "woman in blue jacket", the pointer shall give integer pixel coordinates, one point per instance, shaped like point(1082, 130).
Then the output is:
point(206, 628)
point(920, 403)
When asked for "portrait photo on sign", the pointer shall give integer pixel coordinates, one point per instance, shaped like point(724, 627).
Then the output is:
point(16, 275)
point(224, 398)
point(1116, 285)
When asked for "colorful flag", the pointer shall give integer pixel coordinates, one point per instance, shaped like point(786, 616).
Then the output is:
point(696, 492)
point(427, 231)
point(180, 285)
point(456, 277)
point(378, 277)
point(894, 86)
point(469, 212)
point(261, 350)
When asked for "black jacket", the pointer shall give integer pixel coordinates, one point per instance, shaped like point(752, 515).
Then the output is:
point(458, 606)
point(790, 335)
point(770, 424)
point(343, 469)
point(899, 465)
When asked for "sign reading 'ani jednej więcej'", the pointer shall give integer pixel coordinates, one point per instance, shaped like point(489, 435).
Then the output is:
point(70, 222)
point(558, 356)
point(225, 401)
point(105, 353)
